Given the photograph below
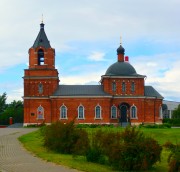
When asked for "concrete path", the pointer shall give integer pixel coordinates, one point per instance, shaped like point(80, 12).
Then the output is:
point(14, 158)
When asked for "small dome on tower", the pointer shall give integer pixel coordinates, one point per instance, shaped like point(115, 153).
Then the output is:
point(121, 67)
point(120, 50)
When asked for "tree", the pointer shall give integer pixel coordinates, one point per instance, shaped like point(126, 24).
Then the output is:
point(14, 110)
point(3, 105)
point(176, 113)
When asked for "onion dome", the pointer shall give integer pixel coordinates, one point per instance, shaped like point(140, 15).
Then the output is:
point(121, 67)
point(120, 50)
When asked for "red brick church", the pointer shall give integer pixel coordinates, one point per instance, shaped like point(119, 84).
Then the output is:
point(121, 98)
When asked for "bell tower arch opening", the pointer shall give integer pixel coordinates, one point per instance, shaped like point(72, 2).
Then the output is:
point(40, 57)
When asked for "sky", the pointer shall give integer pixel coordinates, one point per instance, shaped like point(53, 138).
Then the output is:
point(86, 34)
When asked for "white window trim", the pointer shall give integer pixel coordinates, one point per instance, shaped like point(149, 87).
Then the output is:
point(131, 112)
point(100, 112)
point(111, 112)
point(133, 90)
point(114, 86)
point(123, 87)
point(66, 112)
point(83, 112)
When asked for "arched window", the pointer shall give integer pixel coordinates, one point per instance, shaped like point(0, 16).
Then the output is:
point(160, 112)
point(98, 112)
point(40, 112)
point(80, 112)
point(40, 57)
point(132, 87)
point(123, 87)
point(113, 112)
point(133, 112)
point(113, 86)
point(63, 112)
point(40, 88)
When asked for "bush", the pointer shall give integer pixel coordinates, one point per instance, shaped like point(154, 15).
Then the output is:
point(135, 151)
point(174, 156)
point(99, 147)
point(95, 152)
point(173, 121)
point(65, 138)
point(95, 155)
point(129, 150)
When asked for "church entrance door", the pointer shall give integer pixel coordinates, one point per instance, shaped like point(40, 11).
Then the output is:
point(123, 113)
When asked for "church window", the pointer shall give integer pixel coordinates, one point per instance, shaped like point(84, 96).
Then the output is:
point(132, 87)
point(63, 112)
point(133, 111)
point(160, 112)
point(123, 87)
point(40, 88)
point(80, 112)
point(40, 57)
point(113, 112)
point(98, 112)
point(40, 112)
point(113, 86)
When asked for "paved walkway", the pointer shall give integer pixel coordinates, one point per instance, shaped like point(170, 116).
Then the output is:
point(14, 158)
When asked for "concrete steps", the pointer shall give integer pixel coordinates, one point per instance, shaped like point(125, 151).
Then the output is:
point(125, 124)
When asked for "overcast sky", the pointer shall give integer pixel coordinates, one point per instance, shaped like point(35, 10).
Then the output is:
point(86, 34)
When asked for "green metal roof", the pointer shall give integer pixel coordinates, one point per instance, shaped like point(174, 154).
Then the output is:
point(151, 92)
point(80, 90)
point(121, 69)
point(95, 90)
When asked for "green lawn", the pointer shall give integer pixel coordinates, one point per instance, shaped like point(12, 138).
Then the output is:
point(34, 143)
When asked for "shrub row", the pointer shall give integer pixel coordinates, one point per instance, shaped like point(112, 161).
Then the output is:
point(65, 138)
point(128, 150)
point(94, 125)
point(164, 125)
point(173, 121)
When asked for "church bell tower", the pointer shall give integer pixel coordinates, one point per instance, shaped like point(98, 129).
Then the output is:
point(40, 79)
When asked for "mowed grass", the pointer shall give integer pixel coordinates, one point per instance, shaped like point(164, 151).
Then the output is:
point(33, 142)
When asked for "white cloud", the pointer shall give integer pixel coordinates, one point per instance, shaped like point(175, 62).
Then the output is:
point(97, 56)
point(84, 78)
point(151, 64)
point(162, 73)
point(15, 95)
